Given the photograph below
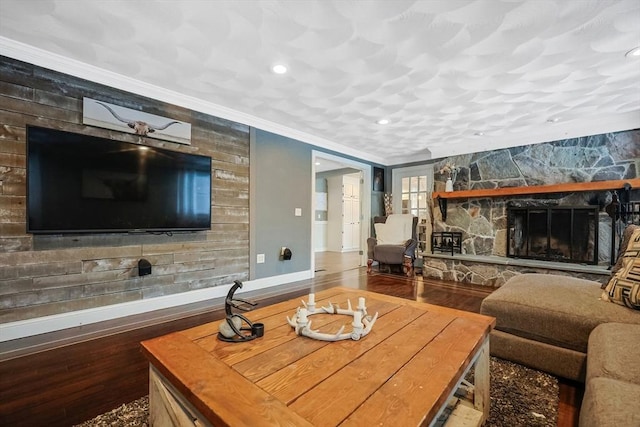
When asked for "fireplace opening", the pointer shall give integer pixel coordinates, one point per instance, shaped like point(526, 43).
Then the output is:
point(554, 233)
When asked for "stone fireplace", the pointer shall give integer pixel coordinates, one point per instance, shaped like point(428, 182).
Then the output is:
point(553, 233)
point(586, 172)
point(502, 238)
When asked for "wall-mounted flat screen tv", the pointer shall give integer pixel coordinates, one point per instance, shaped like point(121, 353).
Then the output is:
point(86, 184)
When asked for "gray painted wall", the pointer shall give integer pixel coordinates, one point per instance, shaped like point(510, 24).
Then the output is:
point(280, 182)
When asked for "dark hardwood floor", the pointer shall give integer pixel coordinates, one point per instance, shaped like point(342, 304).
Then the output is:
point(67, 377)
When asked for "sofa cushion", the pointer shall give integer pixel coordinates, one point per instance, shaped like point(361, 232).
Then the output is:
point(553, 309)
point(624, 286)
point(614, 352)
point(610, 403)
point(389, 254)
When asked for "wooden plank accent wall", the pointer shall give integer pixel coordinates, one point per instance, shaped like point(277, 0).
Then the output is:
point(44, 275)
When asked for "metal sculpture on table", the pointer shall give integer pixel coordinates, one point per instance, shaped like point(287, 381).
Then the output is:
point(362, 323)
point(232, 329)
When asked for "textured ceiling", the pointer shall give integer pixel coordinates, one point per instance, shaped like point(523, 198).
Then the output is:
point(440, 71)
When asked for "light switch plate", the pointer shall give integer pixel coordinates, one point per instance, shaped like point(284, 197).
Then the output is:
point(260, 259)
point(298, 212)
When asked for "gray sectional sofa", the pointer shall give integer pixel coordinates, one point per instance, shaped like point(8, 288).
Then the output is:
point(545, 321)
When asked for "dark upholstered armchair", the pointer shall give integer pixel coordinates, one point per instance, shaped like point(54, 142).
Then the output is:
point(395, 241)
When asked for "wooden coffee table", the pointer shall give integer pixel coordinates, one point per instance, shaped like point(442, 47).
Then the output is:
point(404, 373)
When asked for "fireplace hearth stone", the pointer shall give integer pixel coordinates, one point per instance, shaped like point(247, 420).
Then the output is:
point(494, 271)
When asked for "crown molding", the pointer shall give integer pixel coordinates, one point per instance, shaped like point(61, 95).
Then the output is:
point(53, 61)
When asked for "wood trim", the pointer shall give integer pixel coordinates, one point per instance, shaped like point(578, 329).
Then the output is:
point(539, 189)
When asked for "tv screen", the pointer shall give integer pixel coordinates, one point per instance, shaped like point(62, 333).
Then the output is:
point(81, 184)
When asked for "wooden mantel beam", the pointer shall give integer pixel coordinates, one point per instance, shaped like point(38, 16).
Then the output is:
point(539, 189)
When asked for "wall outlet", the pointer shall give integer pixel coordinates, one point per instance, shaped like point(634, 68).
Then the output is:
point(282, 250)
point(260, 259)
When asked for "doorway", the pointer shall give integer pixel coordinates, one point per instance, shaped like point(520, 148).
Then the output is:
point(339, 187)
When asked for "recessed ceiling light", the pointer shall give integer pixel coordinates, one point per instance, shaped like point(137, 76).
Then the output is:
point(553, 120)
point(279, 68)
point(479, 134)
point(383, 122)
point(633, 53)
point(317, 163)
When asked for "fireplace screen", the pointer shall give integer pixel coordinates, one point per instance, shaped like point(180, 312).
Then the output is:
point(559, 233)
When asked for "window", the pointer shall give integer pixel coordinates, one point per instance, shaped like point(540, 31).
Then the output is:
point(412, 189)
point(414, 196)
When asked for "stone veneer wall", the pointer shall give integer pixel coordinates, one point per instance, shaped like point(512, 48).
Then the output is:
point(483, 221)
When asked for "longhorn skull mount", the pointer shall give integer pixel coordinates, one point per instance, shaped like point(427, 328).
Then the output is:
point(139, 127)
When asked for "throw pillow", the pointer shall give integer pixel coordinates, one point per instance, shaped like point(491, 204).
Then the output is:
point(626, 236)
point(624, 287)
point(402, 225)
point(386, 235)
point(395, 231)
point(380, 228)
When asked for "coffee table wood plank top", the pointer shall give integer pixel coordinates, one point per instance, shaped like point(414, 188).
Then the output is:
point(344, 391)
point(402, 373)
point(295, 349)
point(403, 396)
point(306, 373)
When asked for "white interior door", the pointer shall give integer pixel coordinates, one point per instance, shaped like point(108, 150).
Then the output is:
point(350, 230)
point(351, 224)
point(355, 225)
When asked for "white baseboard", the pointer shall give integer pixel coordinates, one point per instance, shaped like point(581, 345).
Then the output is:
point(42, 325)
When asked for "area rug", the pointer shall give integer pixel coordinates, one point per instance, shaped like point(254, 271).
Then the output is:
point(519, 397)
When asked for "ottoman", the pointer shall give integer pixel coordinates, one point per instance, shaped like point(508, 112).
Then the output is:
point(544, 320)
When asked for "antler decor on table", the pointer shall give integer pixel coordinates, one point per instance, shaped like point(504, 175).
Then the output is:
point(362, 323)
